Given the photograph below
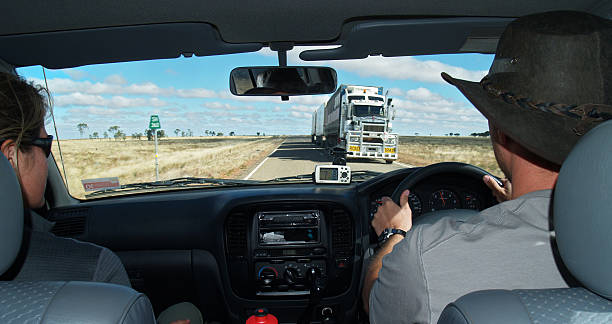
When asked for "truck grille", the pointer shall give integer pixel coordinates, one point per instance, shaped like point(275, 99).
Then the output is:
point(374, 128)
point(372, 140)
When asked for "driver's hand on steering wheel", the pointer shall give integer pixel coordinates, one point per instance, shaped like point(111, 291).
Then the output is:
point(390, 215)
point(500, 193)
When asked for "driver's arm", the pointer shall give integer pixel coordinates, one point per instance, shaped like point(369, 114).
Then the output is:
point(374, 268)
point(389, 215)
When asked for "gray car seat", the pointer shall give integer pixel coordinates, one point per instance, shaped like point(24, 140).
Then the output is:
point(56, 301)
point(582, 208)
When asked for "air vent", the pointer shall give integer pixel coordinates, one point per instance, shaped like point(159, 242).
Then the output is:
point(70, 227)
point(236, 235)
point(342, 234)
point(69, 222)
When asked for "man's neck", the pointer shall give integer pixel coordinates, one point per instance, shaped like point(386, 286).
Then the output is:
point(528, 177)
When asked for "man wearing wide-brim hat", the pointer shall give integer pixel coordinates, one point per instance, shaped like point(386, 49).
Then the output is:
point(549, 84)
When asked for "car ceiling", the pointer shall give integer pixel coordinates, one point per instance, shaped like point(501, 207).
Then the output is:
point(69, 33)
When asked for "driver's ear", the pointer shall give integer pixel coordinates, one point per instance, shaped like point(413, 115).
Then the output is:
point(9, 149)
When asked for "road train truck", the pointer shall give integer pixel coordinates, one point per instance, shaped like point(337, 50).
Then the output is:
point(357, 120)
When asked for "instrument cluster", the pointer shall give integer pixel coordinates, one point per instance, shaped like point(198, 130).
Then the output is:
point(438, 193)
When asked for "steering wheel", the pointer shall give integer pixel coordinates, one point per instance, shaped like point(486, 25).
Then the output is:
point(444, 167)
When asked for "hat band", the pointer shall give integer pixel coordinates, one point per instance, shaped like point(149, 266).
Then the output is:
point(586, 113)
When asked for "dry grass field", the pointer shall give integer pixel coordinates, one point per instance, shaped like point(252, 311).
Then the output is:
point(230, 157)
point(134, 160)
point(425, 150)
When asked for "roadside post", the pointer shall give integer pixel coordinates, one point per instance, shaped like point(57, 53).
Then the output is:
point(154, 125)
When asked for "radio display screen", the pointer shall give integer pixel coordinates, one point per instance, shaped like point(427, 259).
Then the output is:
point(328, 174)
point(288, 236)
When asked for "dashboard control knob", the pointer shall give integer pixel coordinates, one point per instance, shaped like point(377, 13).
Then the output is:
point(312, 274)
point(291, 275)
point(267, 275)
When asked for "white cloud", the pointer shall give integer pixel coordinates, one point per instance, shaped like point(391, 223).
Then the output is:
point(117, 85)
point(301, 115)
point(82, 99)
point(396, 92)
point(76, 74)
point(422, 94)
point(225, 106)
point(115, 79)
point(196, 93)
point(394, 68)
point(303, 108)
point(404, 68)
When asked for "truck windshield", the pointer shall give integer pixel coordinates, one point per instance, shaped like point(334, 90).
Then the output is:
point(351, 98)
point(366, 110)
point(376, 98)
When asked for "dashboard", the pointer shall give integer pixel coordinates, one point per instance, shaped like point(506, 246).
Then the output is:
point(280, 246)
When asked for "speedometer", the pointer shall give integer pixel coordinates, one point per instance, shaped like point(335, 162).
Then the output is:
point(444, 199)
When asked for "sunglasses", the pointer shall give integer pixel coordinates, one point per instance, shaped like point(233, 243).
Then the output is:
point(44, 143)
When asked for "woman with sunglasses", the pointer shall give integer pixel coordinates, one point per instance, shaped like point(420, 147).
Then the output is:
point(26, 144)
point(23, 138)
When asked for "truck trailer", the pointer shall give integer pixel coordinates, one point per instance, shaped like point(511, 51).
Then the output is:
point(317, 125)
point(357, 120)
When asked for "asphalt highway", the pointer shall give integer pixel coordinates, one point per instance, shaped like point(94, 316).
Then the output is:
point(297, 155)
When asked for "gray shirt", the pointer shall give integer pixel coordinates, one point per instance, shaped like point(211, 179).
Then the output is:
point(506, 246)
point(52, 258)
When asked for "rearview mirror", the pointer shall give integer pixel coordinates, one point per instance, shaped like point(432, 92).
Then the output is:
point(282, 81)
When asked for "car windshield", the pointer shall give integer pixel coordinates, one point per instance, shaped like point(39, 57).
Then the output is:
point(366, 110)
point(161, 124)
point(351, 98)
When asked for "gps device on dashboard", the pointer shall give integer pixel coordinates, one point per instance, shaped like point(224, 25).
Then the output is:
point(333, 174)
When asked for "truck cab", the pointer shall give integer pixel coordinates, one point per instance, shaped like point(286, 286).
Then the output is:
point(368, 124)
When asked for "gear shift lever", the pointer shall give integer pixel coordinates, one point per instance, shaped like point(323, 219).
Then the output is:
point(317, 286)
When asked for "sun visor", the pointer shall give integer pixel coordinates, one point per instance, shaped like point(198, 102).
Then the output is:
point(413, 37)
point(64, 49)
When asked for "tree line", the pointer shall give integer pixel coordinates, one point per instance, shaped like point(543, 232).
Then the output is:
point(118, 134)
point(483, 134)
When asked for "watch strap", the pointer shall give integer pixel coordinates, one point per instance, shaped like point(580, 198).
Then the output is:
point(388, 232)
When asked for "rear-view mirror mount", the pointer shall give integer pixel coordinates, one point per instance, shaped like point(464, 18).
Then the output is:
point(282, 80)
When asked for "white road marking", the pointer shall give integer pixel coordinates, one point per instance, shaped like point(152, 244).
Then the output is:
point(403, 164)
point(262, 162)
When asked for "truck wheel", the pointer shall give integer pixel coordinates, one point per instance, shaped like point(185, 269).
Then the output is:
point(388, 161)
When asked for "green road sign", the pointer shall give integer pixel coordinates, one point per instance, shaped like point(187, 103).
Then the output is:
point(154, 123)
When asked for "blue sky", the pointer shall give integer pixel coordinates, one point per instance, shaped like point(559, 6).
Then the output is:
point(192, 93)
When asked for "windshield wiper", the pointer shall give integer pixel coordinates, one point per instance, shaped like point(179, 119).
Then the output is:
point(173, 183)
point(308, 176)
point(355, 175)
point(364, 174)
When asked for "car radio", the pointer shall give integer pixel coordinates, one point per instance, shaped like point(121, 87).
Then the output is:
point(288, 245)
point(284, 228)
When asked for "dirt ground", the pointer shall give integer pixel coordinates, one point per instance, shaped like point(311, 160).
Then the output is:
point(425, 150)
point(133, 160)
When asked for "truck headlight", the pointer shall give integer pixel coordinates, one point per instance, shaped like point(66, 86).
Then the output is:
point(390, 141)
point(354, 139)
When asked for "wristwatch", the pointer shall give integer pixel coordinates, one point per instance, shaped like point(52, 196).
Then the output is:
point(388, 232)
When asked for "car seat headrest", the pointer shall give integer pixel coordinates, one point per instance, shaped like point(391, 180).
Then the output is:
point(11, 217)
point(582, 213)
